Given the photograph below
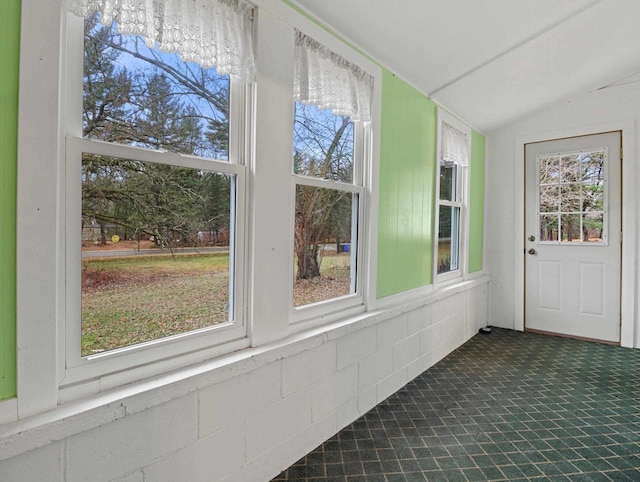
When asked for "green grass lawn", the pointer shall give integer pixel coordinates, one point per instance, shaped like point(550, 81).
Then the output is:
point(334, 281)
point(134, 299)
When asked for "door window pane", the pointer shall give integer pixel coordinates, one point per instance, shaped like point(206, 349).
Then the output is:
point(592, 227)
point(593, 167)
point(570, 227)
point(155, 251)
point(570, 201)
point(548, 227)
point(593, 196)
point(549, 199)
point(573, 186)
point(448, 238)
point(549, 170)
point(570, 168)
point(325, 244)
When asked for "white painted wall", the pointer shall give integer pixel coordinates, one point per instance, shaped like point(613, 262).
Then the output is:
point(616, 107)
point(244, 418)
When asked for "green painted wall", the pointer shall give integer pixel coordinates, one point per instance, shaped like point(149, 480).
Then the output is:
point(407, 180)
point(9, 52)
point(476, 202)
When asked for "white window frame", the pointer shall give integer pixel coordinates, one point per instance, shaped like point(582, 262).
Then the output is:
point(361, 155)
point(366, 149)
point(461, 202)
point(80, 368)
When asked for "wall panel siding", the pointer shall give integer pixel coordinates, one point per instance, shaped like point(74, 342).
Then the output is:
point(9, 52)
point(407, 180)
point(476, 202)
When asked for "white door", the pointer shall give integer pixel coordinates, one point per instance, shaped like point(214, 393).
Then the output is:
point(573, 236)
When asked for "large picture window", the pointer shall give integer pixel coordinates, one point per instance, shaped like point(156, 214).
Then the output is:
point(453, 160)
point(155, 189)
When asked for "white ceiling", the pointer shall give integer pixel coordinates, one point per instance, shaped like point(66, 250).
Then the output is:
point(494, 61)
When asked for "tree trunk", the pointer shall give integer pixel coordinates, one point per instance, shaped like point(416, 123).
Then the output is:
point(306, 251)
point(308, 267)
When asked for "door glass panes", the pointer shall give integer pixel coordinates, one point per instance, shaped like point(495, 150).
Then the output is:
point(549, 227)
point(570, 228)
point(570, 167)
point(156, 248)
point(143, 97)
point(325, 244)
point(448, 238)
point(592, 226)
point(593, 168)
point(323, 144)
point(571, 197)
point(549, 170)
point(549, 198)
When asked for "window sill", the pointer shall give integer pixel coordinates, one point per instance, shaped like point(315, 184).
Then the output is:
point(76, 416)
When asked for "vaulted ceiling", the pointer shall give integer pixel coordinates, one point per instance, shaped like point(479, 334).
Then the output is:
point(494, 61)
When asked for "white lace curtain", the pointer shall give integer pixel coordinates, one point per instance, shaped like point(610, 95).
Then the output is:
point(212, 33)
point(325, 79)
point(455, 145)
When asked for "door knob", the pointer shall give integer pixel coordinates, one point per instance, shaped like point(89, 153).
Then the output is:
point(532, 238)
point(532, 251)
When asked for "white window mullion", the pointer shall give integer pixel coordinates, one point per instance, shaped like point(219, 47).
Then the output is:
point(101, 148)
point(326, 184)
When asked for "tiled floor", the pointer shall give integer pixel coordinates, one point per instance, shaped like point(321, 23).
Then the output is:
point(504, 406)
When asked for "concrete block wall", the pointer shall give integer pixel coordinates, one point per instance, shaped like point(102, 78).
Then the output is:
point(250, 426)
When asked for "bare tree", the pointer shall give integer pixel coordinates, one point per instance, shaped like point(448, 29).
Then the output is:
point(323, 147)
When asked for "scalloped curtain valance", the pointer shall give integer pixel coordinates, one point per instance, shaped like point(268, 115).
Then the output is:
point(325, 79)
point(455, 145)
point(211, 33)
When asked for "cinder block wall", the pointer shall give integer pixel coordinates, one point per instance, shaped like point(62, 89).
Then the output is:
point(252, 425)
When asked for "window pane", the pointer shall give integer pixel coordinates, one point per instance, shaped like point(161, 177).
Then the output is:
point(549, 170)
point(570, 227)
point(570, 201)
point(322, 144)
point(592, 227)
point(593, 167)
point(448, 239)
point(448, 174)
point(593, 197)
point(570, 168)
point(325, 244)
point(548, 227)
point(549, 199)
point(155, 251)
point(139, 96)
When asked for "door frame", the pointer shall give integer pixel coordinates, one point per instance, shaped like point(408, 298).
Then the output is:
point(628, 282)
